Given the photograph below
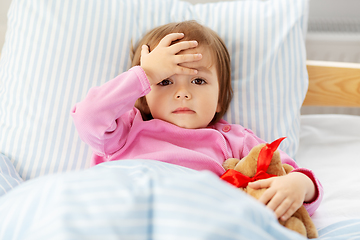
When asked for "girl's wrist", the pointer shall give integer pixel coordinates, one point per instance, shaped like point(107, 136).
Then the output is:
point(148, 75)
point(309, 187)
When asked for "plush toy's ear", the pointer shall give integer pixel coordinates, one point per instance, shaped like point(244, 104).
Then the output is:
point(230, 163)
point(276, 166)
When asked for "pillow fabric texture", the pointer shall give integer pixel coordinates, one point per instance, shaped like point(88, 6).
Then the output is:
point(55, 51)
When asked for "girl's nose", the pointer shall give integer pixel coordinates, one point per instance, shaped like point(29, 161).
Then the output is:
point(182, 94)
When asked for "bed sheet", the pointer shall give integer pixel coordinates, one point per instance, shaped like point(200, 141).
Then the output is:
point(330, 145)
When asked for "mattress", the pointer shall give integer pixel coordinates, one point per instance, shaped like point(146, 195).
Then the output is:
point(329, 145)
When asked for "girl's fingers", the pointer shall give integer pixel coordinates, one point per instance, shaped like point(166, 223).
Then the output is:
point(168, 39)
point(294, 205)
point(267, 196)
point(184, 58)
point(183, 45)
point(185, 70)
point(282, 208)
point(261, 183)
point(144, 50)
point(271, 199)
point(177, 47)
point(281, 205)
point(289, 212)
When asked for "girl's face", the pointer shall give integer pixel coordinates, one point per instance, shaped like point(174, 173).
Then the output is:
point(184, 100)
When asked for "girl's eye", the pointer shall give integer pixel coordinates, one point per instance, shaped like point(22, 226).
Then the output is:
point(198, 81)
point(164, 82)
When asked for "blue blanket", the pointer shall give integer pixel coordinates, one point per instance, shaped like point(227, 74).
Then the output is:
point(135, 199)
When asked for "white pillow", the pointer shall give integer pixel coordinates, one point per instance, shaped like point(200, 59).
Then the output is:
point(56, 50)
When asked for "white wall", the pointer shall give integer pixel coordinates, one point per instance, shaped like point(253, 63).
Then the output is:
point(335, 8)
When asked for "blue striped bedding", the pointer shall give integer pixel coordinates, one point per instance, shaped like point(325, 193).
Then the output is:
point(136, 199)
point(9, 177)
point(141, 199)
point(346, 229)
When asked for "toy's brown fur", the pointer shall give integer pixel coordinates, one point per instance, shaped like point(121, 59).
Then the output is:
point(300, 221)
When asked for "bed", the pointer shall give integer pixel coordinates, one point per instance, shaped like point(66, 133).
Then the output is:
point(328, 145)
point(56, 50)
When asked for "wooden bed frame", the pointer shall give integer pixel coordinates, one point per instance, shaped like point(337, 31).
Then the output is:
point(333, 84)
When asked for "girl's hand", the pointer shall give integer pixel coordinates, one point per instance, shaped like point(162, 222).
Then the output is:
point(285, 194)
point(163, 61)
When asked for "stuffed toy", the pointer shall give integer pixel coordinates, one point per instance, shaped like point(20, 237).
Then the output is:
point(263, 161)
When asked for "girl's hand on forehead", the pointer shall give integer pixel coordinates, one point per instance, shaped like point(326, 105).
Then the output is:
point(164, 60)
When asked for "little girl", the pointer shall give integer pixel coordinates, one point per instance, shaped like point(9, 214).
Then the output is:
point(180, 86)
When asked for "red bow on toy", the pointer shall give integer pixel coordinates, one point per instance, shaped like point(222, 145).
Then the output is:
point(266, 153)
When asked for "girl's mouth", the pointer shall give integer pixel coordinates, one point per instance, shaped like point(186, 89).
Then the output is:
point(183, 110)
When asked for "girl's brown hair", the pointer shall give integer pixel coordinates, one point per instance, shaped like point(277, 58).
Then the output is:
point(206, 38)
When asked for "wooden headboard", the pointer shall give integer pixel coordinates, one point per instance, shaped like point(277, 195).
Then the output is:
point(333, 84)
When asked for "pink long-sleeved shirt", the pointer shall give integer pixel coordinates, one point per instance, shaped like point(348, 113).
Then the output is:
point(108, 121)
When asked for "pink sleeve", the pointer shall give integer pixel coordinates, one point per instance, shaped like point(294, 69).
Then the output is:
point(250, 140)
point(105, 115)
